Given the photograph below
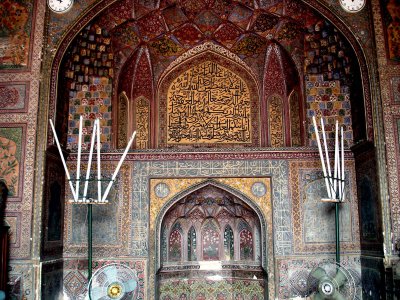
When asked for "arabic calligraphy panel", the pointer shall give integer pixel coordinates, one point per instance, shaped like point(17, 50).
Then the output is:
point(208, 103)
point(142, 116)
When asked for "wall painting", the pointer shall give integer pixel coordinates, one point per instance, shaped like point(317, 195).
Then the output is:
point(15, 33)
point(10, 157)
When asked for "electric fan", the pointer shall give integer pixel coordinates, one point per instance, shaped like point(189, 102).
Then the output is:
point(113, 281)
point(332, 282)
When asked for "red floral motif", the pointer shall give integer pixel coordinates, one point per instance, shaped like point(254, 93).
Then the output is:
point(207, 21)
point(174, 17)
point(241, 16)
point(9, 96)
point(227, 34)
point(188, 35)
point(151, 26)
point(142, 82)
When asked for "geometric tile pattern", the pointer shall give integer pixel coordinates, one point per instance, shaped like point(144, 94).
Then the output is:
point(75, 276)
point(330, 101)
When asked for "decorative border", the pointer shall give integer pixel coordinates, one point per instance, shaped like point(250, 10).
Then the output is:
point(14, 231)
point(26, 100)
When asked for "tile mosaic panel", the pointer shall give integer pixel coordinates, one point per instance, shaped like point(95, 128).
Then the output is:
point(75, 276)
point(314, 225)
point(203, 288)
point(331, 101)
point(111, 222)
point(15, 34)
point(12, 137)
point(92, 101)
point(88, 79)
point(14, 97)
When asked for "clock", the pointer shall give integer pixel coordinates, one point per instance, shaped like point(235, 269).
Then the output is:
point(352, 6)
point(60, 6)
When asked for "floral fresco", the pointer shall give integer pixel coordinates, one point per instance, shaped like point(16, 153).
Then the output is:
point(15, 32)
point(10, 156)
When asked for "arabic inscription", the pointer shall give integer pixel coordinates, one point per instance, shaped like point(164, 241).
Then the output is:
point(209, 104)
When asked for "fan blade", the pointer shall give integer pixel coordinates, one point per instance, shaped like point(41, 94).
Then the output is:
point(130, 285)
point(112, 274)
point(318, 296)
point(318, 273)
point(96, 292)
point(338, 296)
point(340, 277)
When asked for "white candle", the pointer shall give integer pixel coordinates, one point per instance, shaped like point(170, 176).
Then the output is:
point(342, 177)
point(327, 160)
point(89, 163)
point(78, 166)
point(98, 162)
point(321, 157)
point(118, 166)
point(63, 160)
point(336, 166)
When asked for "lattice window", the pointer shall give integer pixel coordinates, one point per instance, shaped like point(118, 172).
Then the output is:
point(175, 243)
point(246, 241)
point(192, 243)
point(229, 251)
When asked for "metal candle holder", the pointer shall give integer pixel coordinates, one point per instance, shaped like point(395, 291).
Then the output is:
point(101, 197)
point(335, 184)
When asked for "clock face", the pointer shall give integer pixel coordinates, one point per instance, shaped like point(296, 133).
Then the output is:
point(60, 6)
point(352, 5)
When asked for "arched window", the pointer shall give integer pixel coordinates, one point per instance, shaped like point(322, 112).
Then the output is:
point(229, 253)
point(175, 243)
point(209, 224)
point(210, 240)
point(191, 246)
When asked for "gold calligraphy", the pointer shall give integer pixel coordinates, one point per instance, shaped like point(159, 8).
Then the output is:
point(122, 140)
point(208, 104)
point(142, 116)
point(276, 122)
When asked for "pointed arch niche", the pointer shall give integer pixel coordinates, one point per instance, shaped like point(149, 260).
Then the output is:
point(223, 235)
point(208, 97)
